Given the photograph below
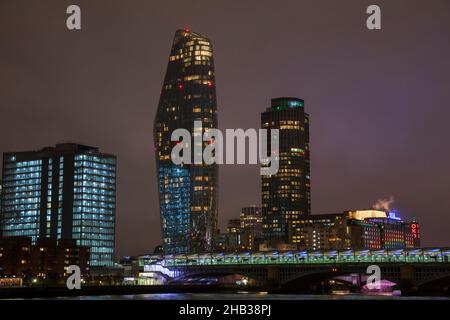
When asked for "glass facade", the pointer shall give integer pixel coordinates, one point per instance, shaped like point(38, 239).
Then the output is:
point(187, 192)
point(65, 192)
point(21, 197)
point(286, 196)
point(174, 188)
point(94, 206)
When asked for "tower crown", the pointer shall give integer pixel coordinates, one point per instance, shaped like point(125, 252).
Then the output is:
point(284, 103)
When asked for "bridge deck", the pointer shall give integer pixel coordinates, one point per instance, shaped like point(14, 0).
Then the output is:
point(425, 255)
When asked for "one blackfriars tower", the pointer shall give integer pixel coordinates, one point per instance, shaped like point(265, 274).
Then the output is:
point(187, 192)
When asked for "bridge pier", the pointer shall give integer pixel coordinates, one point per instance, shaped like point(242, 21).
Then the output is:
point(273, 278)
point(407, 283)
point(356, 279)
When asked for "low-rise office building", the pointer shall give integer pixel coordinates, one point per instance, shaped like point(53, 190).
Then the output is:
point(358, 230)
point(46, 260)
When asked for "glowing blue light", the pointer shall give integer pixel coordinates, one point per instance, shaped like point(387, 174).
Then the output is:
point(393, 215)
point(294, 103)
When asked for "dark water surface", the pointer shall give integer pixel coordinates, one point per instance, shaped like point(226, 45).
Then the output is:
point(244, 296)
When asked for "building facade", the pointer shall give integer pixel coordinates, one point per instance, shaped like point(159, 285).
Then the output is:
point(286, 195)
point(15, 256)
point(251, 228)
point(243, 234)
point(319, 232)
point(233, 240)
point(187, 192)
point(63, 193)
point(50, 259)
point(356, 230)
point(46, 260)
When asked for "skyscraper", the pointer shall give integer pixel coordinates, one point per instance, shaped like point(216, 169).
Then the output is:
point(187, 192)
point(286, 195)
point(63, 192)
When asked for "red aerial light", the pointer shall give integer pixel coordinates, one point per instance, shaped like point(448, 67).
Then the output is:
point(180, 86)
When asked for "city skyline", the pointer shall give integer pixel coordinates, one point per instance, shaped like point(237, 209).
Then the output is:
point(370, 131)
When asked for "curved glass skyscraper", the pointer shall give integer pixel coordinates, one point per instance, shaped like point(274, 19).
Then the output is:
point(187, 192)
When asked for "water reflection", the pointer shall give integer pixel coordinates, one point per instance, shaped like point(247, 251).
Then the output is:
point(245, 296)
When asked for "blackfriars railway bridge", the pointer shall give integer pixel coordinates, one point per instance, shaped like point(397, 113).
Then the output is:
point(410, 270)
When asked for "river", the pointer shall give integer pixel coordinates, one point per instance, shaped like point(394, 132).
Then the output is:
point(247, 296)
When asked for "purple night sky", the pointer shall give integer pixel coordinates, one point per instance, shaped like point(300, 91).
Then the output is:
point(379, 101)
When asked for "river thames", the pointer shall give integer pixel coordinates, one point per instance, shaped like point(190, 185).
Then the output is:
point(246, 296)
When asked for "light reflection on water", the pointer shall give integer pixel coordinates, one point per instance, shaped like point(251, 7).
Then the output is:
point(244, 296)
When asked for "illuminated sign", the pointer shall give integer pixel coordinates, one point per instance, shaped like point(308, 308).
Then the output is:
point(415, 230)
point(393, 215)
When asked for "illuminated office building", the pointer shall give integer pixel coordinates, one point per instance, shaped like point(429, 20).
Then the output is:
point(394, 233)
point(251, 218)
point(243, 234)
point(251, 228)
point(319, 232)
point(286, 195)
point(67, 192)
point(187, 192)
point(231, 240)
point(356, 230)
point(233, 235)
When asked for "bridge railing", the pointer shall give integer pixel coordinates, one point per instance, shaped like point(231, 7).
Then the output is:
point(426, 255)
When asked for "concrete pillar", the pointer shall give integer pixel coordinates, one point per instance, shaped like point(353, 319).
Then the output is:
point(407, 279)
point(273, 277)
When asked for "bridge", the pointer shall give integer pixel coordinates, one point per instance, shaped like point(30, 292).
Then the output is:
point(410, 269)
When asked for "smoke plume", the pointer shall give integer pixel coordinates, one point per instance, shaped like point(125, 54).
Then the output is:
point(384, 204)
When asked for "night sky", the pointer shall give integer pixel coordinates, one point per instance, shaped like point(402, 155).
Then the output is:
point(379, 101)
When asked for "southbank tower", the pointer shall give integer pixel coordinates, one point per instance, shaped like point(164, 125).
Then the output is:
point(286, 196)
point(187, 192)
